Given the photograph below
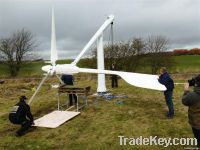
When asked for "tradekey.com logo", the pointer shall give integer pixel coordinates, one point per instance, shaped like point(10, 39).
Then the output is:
point(154, 140)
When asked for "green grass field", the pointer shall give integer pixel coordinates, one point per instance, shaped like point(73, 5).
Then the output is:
point(187, 64)
point(102, 121)
point(28, 69)
point(99, 124)
point(183, 64)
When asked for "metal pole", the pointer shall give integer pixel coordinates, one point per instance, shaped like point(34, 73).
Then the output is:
point(77, 104)
point(86, 102)
point(101, 88)
point(58, 101)
point(38, 88)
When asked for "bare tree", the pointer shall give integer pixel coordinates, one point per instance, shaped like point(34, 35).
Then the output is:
point(14, 49)
point(155, 47)
point(137, 46)
point(123, 54)
point(129, 55)
point(126, 55)
point(116, 53)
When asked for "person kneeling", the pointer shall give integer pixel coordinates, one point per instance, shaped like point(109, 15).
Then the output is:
point(21, 114)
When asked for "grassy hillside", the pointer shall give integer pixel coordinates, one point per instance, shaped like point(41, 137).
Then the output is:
point(28, 68)
point(99, 125)
point(187, 64)
point(183, 64)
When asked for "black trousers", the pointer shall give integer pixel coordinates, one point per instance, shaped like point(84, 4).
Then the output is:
point(114, 81)
point(71, 98)
point(196, 133)
point(25, 125)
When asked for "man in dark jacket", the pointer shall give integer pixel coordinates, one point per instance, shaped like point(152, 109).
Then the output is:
point(114, 77)
point(21, 114)
point(166, 80)
point(69, 80)
point(192, 100)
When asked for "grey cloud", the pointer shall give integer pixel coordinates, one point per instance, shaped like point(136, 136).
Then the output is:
point(78, 20)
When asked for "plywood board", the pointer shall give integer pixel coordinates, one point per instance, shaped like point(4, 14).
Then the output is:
point(55, 119)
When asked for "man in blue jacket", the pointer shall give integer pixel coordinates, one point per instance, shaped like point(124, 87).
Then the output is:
point(166, 80)
point(69, 80)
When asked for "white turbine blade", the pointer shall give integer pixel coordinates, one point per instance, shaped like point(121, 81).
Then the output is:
point(54, 55)
point(137, 79)
point(142, 80)
point(38, 88)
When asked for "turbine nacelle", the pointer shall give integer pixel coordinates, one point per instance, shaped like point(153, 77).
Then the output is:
point(48, 69)
point(61, 69)
point(111, 16)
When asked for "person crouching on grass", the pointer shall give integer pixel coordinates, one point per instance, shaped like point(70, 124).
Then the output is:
point(165, 79)
point(21, 114)
point(192, 100)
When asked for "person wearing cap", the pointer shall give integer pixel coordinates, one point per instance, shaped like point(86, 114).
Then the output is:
point(192, 100)
point(166, 80)
point(21, 114)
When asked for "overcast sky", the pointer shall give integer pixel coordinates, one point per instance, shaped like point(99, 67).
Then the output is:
point(78, 20)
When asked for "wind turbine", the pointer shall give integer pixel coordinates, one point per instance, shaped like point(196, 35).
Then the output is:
point(136, 79)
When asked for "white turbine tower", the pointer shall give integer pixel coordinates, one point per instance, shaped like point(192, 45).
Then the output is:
point(101, 84)
point(98, 37)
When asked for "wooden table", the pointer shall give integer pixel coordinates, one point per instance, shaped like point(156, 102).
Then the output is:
point(78, 90)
